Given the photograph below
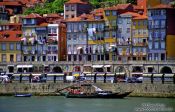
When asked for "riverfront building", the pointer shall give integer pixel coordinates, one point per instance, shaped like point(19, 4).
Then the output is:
point(10, 42)
point(161, 33)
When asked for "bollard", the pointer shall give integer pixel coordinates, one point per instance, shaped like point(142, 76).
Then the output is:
point(95, 77)
point(20, 78)
point(104, 78)
point(163, 78)
point(64, 77)
point(174, 79)
point(115, 81)
point(30, 78)
point(152, 78)
point(54, 78)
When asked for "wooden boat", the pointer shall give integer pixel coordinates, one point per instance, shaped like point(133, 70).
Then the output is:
point(23, 95)
point(75, 92)
point(97, 95)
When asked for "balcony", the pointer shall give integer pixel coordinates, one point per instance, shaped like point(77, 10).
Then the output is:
point(140, 44)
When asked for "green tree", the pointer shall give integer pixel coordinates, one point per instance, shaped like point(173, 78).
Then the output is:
point(132, 1)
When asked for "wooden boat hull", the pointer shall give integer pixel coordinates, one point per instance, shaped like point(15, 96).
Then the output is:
point(112, 95)
point(23, 95)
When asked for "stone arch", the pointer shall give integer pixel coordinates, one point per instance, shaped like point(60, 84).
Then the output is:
point(166, 69)
point(137, 69)
point(57, 69)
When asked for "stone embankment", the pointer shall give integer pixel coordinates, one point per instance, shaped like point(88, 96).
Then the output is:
point(141, 90)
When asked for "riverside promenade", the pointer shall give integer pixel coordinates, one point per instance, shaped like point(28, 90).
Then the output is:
point(48, 89)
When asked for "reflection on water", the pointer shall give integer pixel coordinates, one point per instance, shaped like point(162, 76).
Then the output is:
point(61, 104)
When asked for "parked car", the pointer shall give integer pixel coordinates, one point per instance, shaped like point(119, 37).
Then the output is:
point(134, 79)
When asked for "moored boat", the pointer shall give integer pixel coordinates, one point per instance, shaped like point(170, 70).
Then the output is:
point(23, 95)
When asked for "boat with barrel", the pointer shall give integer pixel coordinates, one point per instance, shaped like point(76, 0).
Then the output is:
point(86, 91)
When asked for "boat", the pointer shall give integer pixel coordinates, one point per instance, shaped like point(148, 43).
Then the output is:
point(23, 95)
point(97, 95)
point(76, 92)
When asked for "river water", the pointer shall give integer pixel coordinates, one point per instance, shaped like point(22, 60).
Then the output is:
point(61, 104)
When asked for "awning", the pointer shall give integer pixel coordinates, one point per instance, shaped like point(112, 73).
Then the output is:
point(107, 66)
point(157, 75)
point(87, 65)
point(76, 75)
point(120, 73)
point(97, 66)
point(24, 66)
point(78, 48)
point(169, 75)
point(10, 65)
point(147, 75)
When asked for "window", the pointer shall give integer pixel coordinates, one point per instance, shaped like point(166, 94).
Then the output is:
point(3, 46)
point(134, 23)
point(113, 34)
point(120, 21)
point(72, 8)
point(162, 23)
point(106, 34)
point(49, 30)
point(28, 21)
point(66, 7)
point(54, 30)
point(162, 45)
point(150, 45)
point(72, 16)
point(107, 13)
point(145, 22)
point(120, 30)
point(128, 21)
point(3, 57)
point(11, 46)
point(156, 45)
point(114, 13)
point(128, 30)
point(18, 57)
point(163, 12)
point(18, 46)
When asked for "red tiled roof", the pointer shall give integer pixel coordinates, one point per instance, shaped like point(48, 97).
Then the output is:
point(10, 3)
point(76, 2)
point(133, 14)
point(141, 17)
point(12, 36)
point(10, 24)
point(162, 6)
point(119, 7)
point(33, 15)
point(84, 17)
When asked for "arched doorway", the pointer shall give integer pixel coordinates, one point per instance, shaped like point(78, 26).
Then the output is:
point(166, 69)
point(57, 69)
point(11, 69)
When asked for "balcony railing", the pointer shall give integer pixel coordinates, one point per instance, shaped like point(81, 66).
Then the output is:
point(140, 44)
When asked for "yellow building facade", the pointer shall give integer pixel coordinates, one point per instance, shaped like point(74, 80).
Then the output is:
point(139, 37)
point(170, 41)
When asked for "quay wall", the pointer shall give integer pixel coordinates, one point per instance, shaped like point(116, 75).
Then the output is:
point(44, 89)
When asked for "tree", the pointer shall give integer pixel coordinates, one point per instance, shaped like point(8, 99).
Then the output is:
point(132, 1)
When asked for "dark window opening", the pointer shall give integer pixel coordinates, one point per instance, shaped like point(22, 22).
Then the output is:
point(69, 57)
point(57, 69)
point(150, 69)
point(107, 56)
point(89, 57)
